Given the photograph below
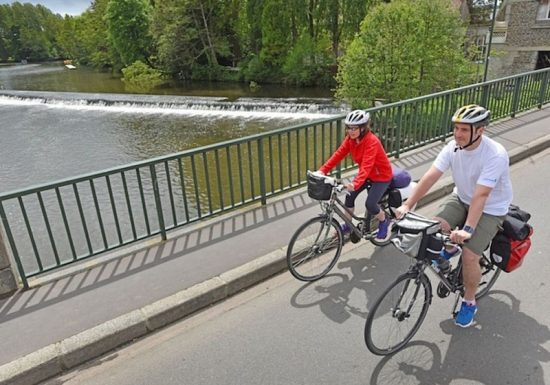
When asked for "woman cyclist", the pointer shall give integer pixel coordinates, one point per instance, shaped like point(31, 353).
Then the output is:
point(374, 167)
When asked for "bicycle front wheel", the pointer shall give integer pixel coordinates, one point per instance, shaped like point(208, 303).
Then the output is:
point(398, 313)
point(489, 274)
point(314, 248)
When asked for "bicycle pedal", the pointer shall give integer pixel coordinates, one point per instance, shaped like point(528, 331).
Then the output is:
point(354, 238)
point(442, 291)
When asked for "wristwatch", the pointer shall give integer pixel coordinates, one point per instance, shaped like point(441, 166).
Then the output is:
point(469, 229)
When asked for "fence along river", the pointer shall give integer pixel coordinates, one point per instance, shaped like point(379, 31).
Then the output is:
point(52, 136)
point(120, 205)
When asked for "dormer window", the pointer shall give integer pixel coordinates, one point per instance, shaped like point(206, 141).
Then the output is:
point(544, 10)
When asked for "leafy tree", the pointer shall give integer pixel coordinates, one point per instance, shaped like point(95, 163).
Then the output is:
point(276, 41)
point(128, 29)
point(309, 62)
point(191, 35)
point(404, 49)
point(5, 15)
point(92, 37)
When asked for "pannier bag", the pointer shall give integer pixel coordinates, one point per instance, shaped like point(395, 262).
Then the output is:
point(319, 187)
point(417, 238)
point(401, 178)
point(511, 244)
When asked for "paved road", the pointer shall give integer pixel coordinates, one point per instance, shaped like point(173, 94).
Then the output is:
point(285, 332)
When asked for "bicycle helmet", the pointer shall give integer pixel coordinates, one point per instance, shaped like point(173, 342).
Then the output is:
point(474, 115)
point(357, 118)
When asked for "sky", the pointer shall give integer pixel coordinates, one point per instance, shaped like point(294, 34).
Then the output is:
point(63, 7)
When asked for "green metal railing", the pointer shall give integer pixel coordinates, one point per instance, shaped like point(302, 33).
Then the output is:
point(53, 225)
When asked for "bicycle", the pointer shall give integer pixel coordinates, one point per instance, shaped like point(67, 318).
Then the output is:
point(316, 246)
point(399, 312)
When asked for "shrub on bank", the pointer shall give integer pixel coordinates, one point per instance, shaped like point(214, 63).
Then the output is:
point(139, 75)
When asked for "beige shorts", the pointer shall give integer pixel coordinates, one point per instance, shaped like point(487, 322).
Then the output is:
point(455, 212)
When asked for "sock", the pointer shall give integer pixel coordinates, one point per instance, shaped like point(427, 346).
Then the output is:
point(447, 254)
point(469, 303)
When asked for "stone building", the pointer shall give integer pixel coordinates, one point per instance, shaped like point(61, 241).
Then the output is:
point(521, 38)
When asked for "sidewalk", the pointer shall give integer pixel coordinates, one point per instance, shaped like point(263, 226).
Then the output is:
point(71, 318)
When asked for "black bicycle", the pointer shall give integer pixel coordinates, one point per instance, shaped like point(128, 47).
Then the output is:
point(398, 313)
point(316, 246)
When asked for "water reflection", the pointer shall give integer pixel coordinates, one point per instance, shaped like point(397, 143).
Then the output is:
point(44, 142)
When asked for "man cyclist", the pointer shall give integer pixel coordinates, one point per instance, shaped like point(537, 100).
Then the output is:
point(480, 199)
point(374, 167)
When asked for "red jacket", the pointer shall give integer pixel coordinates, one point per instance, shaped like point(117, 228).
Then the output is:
point(369, 154)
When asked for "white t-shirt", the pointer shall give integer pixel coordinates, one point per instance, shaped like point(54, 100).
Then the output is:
point(487, 165)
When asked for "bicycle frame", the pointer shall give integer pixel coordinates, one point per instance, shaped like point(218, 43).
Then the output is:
point(335, 205)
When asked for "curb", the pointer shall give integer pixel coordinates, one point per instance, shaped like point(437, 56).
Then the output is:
point(56, 358)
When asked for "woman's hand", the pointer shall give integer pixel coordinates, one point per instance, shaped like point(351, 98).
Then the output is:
point(350, 187)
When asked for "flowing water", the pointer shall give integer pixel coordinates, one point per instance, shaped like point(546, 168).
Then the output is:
point(56, 124)
point(79, 121)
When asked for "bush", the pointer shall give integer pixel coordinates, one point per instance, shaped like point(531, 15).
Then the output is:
point(140, 76)
point(258, 71)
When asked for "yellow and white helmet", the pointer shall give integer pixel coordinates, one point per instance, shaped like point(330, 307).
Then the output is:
point(472, 114)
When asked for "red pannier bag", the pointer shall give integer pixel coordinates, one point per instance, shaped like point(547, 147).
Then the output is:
point(508, 253)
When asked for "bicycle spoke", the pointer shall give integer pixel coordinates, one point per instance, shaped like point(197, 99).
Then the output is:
point(397, 314)
point(314, 249)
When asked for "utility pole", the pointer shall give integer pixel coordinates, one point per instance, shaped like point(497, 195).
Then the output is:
point(495, 2)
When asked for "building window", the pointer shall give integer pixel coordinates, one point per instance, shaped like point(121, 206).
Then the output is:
point(544, 10)
point(543, 60)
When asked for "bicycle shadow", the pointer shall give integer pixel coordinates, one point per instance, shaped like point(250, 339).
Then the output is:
point(505, 347)
point(345, 292)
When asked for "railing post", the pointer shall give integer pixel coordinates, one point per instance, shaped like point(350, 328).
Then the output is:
point(158, 203)
point(543, 88)
point(398, 122)
point(8, 283)
point(515, 97)
point(445, 118)
point(339, 138)
point(485, 96)
point(261, 170)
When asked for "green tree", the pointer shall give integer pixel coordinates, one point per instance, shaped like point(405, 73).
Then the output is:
point(93, 43)
point(309, 62)
point(192, 36)
point(404, 49)
point(5, 15)
point(128, 29)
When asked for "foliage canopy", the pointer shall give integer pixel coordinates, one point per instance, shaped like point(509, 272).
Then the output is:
point(404, 49)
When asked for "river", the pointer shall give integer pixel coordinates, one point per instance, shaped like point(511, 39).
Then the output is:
point(57, 123)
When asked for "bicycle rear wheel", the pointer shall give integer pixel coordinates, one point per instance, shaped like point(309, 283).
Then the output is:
point(314, 248)
point(398, 313)
point(489, 274)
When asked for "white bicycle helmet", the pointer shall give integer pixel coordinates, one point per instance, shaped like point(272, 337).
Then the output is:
point(357, 118)
point(471, 114)
point(474, 115)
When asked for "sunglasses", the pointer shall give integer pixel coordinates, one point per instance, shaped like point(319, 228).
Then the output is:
point(353, 128)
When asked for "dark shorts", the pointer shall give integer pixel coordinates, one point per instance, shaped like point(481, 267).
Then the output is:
point(454, 211)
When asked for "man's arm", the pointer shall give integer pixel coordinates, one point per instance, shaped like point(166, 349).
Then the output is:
point(479, 198)
point(423, 186)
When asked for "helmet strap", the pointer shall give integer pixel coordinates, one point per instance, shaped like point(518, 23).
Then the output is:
point(472, 140)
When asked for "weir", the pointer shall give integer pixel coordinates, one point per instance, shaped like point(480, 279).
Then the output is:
point(298, 108)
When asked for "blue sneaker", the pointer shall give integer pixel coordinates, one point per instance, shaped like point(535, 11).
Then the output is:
point(383, 228)
point(442, 261)
point(345, 228)
point(465, 316)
